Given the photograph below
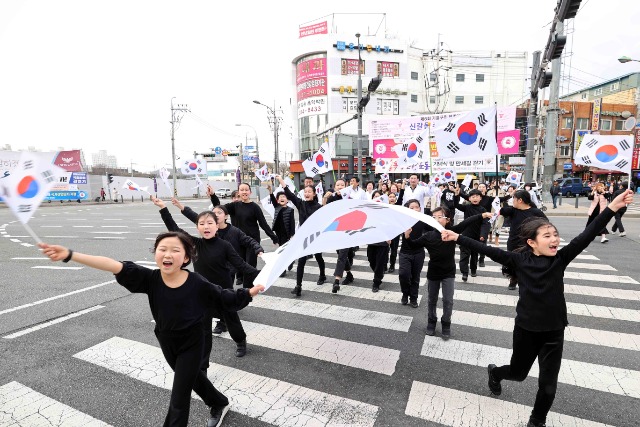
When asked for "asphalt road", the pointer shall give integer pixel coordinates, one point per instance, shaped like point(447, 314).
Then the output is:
point(78, 349)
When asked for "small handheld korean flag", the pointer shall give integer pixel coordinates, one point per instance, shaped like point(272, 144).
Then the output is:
point(263, 173)
point(448, 175)
point(130, 185)
point(319, 163)
point(470, 135)
point(163, 173)
point(413, 151)
point(319, 190)
point(607, 152)
point(194, 167)
point(514, 178)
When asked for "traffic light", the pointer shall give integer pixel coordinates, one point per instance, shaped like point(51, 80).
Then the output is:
point(374, 83)
point(368, 165)
point(209, 155)
point(110, 178)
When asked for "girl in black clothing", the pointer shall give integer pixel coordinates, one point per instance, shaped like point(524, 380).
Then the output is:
point(214, 254)
point(394, 199)
point(523, 208)
point(249, 216)
point(541, 312)
point(346, 255)
point(469, 257)
point(306, 208)
point(179, 302)
point(284, 222)
point(411, 259)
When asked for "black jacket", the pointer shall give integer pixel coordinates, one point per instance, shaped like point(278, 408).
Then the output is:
point(286, 215)
point(305, 208)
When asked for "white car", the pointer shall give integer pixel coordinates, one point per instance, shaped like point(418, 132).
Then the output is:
point(223, 192)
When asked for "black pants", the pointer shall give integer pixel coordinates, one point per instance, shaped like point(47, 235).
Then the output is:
point(183, 352)
point(302, 262)
point(249, 255)
point(618, 220)
point(547, 347)
point(345, 260)
point(377, 257)
point(481, 256)
point(409, 274)
point(468, 260)
point(393, 251)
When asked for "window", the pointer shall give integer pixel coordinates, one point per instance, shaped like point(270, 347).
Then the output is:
point(459, 99)
point(479, 78)
point(565, 150)
point(432, 100)
point(614, 87)
point(479, 99)
point(459, 77)
point(619, 125)
point(567, 123)
point(414, 75)
point(583, 96)
point(605, 124)
point(414, 98)
point(388, 69)
point(349, 105)
point(582, 124)
point(597, 92)
point(388, 107)
point(432, 77)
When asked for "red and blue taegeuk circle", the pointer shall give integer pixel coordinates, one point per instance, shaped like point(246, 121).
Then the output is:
point(467, 133)
point(381, 162)
point(412, 150)
point(607, 153)
point(448, 175)
point(193, 166)
point(28, 187)
point(320, 160)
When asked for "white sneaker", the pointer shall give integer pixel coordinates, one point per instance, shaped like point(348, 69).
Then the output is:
point(604, 239)
point(622, 234)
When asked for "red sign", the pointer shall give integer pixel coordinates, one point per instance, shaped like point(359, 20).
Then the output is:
point(69, 160)
point(388, 69)
point(307, 70)
point(350, 66)
point(509, 141)
point(635, 162)
point(313, 87)
point(312, 30)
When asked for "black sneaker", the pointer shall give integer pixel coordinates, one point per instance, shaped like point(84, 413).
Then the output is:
point(336, 288)
point(217, 414)
point(297, 291)
point(533, 422)
point(404, 300)
point(375, 288)
point(464, 277)
point(241, 348)
point(431, 328)
point(220, 328)
point(348, 279)
point(512, 284)
point(391, 269)
point(494, 385)
point(481, 264)
point(446, 331)
point(473, 274)
point(321, 280)
point(414, 303)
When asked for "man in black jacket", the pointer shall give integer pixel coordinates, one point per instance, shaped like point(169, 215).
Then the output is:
point(555, 192)
point(468, 257)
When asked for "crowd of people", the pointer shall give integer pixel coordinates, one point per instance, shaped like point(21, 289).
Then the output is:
point(227, 246)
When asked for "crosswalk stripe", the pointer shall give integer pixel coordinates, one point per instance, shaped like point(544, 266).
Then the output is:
point(457, 408)
point(348, 291)
point(348, 353)
point(52, 322)
point(266, 399)
point(572, 307)
point(593, 291)
point(22, 406)
point(618, 340)
point(338, 313)
point(625, 382)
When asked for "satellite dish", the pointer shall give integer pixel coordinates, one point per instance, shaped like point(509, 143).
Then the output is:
point(625, 114)
point(629, 123)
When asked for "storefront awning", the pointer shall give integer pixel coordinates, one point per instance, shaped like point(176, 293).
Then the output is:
point(606, 172)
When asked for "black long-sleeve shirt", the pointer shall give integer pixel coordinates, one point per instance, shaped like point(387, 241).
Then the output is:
point(442, 263)
point(541, 306)
point(247, 217)
point(470, 210)
point(213, 256)
point(410, 245)
point(179, 309)
point(517, 217)
point(305, 208)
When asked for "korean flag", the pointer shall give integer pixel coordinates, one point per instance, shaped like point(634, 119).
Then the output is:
point(607, 152)
point(469, 135)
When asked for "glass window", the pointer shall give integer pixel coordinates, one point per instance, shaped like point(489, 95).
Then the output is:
point(459, 99)
point(614, 87)
point(414, 98)
point(582, 124)
point(459, 77)
point(349, 104)
point(432, 77)
point(605, 124)
point(479, 77)
point(567, 123)
point(414, 75)
point(619, 125)
point(479, 99)
point(565, 150)
point(583, 96)
point(388, 107)
point(432, 100)
point(597, 92)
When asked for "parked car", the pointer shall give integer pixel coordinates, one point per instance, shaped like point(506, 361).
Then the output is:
point(572, 186)
point(223, 192)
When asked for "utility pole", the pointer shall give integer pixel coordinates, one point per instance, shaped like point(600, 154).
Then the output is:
point(552, 120)
point(360, 111)
point(531, 120)
point(276, 129)
point(176, 116)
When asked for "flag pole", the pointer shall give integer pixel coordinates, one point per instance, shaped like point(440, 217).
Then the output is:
point(30, 231)
point(495, 105)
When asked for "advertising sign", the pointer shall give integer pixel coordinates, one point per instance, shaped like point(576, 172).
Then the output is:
point(312, 106)
point(350, 66)
point(312, 30)
point(595, 119)
point(310, 69)
point(67, 195)
point(635, 163)
point(313, 87)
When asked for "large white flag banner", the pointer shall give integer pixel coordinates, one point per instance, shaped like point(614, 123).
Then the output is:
point(320, 162)
point(29, 184)
point(613, 152)
point(471, 135)
point(266, 204)
point(194, 167)
point(414, 151)
point(339, 225)
point(163, 173)
point(130, 185)
point(263, 173)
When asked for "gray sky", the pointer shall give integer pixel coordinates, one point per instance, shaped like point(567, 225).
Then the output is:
point(101, 74)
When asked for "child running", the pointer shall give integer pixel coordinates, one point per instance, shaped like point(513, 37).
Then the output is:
point(541, 312)
point(284, 221)
point(179, 301)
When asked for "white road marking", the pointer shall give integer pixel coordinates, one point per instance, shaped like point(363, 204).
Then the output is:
point(50, 226)
point(111, 232)
point(338, 313)
point(52, 322)
point(114, 226)
point(15, 240)
point(29, 258)
point(55, 267)
point(452, 407)
point(109, 237)
point(348, 353)
point(624, 382)
point(266, 399)
point(22, 406)
point(83, 226)
point(42, 301)
point(112, 219)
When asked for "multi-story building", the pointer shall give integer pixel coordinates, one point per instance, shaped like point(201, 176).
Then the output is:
point(101, 158)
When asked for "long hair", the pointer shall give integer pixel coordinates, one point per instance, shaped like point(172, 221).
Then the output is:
point(529, 230)
point(524, 196)
point(185, 239)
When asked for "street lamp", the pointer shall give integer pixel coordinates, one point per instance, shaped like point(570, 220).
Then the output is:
point(272, 111)
point(241, 157)
point(625, 59)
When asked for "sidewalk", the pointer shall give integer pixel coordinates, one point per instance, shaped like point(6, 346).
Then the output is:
point(568, 208)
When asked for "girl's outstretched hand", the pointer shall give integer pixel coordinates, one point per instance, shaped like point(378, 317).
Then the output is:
point(256, 290)
point(158, 202)
point(177, 203)
point(54, 252)
point(621, 201)
point(449, 236)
